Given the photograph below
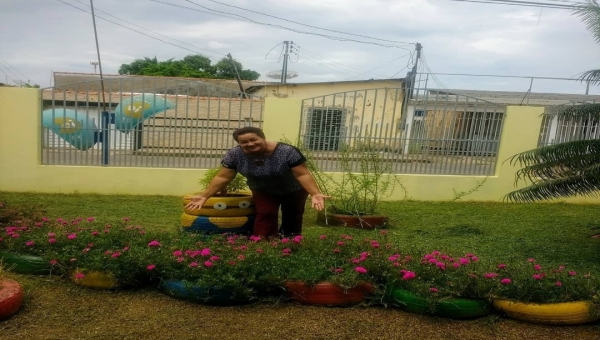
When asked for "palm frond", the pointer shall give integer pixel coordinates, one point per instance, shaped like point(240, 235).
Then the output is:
point(585, 183)
point(591, 76)
point(571, 112)
point(556, 169)
point(569, 154)
point(590, 15)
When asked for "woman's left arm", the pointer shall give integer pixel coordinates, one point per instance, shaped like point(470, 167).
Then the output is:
point(309, 184)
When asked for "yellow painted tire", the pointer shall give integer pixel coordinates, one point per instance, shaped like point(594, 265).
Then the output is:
point(96, 280)
point(235, 204)
point(566, 313)
point(237, 224)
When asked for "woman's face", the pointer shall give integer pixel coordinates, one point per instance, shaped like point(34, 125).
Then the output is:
point(252, 143)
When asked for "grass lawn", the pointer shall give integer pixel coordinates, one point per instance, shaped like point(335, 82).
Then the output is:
point(554, 234)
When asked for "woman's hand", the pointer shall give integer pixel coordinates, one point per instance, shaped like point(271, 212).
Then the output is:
point(196, 203)
point(318, 201)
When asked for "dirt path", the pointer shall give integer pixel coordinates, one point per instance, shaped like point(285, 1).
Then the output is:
point(57, 309)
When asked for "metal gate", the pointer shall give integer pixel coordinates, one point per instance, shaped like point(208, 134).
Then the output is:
point(191, 128)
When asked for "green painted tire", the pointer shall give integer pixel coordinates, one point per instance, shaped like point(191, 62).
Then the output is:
point(24, 264)
point(456, 308)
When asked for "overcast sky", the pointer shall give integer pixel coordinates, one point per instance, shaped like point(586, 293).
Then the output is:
point(41, 36)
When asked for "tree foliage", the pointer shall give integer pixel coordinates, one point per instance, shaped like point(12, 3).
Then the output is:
point(191, 66)
point(570, 168)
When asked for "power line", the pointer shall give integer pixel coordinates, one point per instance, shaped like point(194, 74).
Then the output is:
point(525, 3)
point(19, 72)
point(311, 26)
point(11, 72)
point(7, 76)
point(142, 33)
point(277, 26)
point(389, 62)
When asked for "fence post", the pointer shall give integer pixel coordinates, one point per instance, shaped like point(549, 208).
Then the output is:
point(105, 128)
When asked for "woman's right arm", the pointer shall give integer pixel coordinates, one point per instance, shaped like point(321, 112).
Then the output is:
point(220, 181)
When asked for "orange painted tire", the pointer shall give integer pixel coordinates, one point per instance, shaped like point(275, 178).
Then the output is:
point(326, 294)
point(11, 297)
point(566, 313)
point(235, 204)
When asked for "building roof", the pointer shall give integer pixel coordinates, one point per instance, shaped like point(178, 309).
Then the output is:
point(504, 97)
point(259, 86)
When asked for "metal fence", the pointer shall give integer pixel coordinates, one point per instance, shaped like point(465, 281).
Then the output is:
point(414, 131)
point(556, 130)
point(143, 122)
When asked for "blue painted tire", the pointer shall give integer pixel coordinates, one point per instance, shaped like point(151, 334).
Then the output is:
point(211, 296)
point(208, 224)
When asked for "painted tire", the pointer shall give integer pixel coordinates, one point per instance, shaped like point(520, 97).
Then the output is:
point(11, 297)
point(210, 296)
point(239, 224)
point(325, 293)
point(367, 222)
point(240, 204)
point(457, 308)
point(566, 313)
point(25, 264)
point(96, 280)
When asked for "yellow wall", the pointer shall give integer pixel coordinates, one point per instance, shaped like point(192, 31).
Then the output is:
point(21, 171)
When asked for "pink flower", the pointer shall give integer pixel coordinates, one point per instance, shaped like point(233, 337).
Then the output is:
point(53, 262)
point(340, 243)
point(558, 284)
point(216, 258)
point(154, 243)
point(501, 266)
point(177, 253)
point(95, 233)
point(91, 219)
point(322, 237)
point(490, 275)
point(208, 264)
point(474, 258)
point(15, 235)
point(241, 257)
point(205, 252)
point(194, 264)
point(297, 239)
point(116, 254)
point(464, 260)
point(531, 260)
point(537, 277)
point(260, 250)
point(79, 276)
point(106, 231)
point(29, 243)
point(51, 240)
point(408, 276)
point(72, 236)
point(336, 250)
point(537, 267)
point(506, 281)
point(108, 252)
point(254, 238)
point(180, 259)
point(287, 251)
point(433, 290)
point(285, 240)
point(360, 270)
point(375, 244)
point(456, 265)
point(51, 235)
point(125, 219)
point(45, 219)
point(150, 267)
point(383, 232)
point(572, 273)
point(126, 249)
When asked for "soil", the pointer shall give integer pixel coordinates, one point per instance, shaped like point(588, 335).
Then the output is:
point(55, 308)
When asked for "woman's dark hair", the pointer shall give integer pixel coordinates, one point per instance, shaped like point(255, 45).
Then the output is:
point(248, 129)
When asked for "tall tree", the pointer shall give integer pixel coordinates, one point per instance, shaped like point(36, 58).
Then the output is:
point(192, 66)
point(571, 168)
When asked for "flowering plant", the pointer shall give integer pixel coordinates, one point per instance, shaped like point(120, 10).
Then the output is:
point(530, 281)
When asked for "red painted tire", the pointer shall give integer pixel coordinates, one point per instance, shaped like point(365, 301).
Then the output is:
point(367, 222)
point(326, 294)
point(11, 297)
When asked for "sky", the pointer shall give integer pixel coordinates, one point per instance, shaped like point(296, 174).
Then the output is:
point(348, 40)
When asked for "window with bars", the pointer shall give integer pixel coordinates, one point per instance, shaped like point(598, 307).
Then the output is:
point(324, 128)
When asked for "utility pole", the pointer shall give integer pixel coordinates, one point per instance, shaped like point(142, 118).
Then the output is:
point(237, 76)
point(285, 60)
point(411, 77)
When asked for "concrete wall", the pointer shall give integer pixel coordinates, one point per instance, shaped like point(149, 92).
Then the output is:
point(21, 171)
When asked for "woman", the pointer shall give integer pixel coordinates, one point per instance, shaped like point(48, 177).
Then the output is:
point(276, 174)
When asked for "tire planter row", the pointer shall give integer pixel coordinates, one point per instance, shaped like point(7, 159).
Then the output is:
point(449, 308)
point(326, 294)
point(238, 224)
point(24, 263)
point(367, 222)
point(566, 313)
point(211, 296)
point(11, 297)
